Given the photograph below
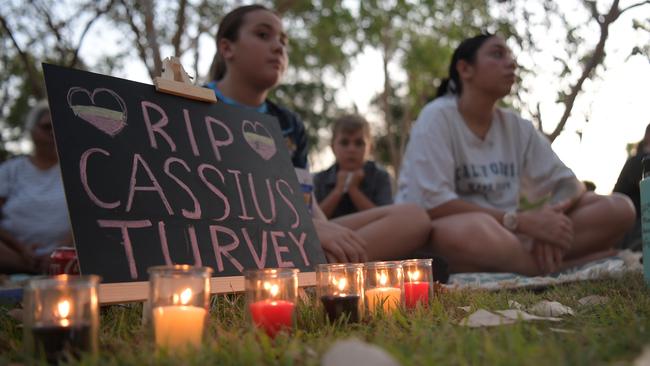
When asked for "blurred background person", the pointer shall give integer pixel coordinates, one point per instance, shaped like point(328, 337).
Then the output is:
point(33, 213)
point(352, 183)
point(628, 184)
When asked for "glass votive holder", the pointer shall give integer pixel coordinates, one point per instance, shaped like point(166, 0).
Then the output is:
point(271, 298)
point(418, 282)
point(384, 285)
point(340, 290)
point(179, 297)
point(61, 317)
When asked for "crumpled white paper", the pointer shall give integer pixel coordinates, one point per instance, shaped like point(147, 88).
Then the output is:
point(550, 308)
point(593, 300)
point(484, 318)
point(644, 358)
point(357, 353)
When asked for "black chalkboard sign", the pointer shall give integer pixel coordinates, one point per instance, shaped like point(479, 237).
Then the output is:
point(154, 179)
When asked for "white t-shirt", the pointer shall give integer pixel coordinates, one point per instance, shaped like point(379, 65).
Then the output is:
point(35, 211)
point(445, 160)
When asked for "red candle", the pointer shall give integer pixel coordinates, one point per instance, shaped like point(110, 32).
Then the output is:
point(272, 315)
point(415, 292)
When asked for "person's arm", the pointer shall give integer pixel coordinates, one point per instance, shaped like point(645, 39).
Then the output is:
point(358, 198)
point(12, 243)
point(317, 213)
point(339, 243)
point(568, 190)
point(549, 225)
point(331, 201)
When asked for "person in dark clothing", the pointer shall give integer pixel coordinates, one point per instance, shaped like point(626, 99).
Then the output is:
point(628, 184)
point(352, 183)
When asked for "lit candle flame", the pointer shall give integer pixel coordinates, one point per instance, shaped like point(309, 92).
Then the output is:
point(184, 298)
point(414, 276)
point(340, 283)
point(382, 278)
point(63, 311)
point(64, 308)
point(272, 288)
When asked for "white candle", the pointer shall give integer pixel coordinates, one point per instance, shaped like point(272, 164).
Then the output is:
point(388, 297)
point(179, 326)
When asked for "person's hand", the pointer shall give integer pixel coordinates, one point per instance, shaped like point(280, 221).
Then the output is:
point(340, 244)
point(547, 257)
point(357, 177)
point(341, 178)
point(549, 225)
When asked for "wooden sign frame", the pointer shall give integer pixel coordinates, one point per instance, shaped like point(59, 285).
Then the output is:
point(115, 293)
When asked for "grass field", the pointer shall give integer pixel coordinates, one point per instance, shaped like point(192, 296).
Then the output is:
point(613, 333)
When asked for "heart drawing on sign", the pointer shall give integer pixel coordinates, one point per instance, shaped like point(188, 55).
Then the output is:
point(107, 120)
point(263, 144)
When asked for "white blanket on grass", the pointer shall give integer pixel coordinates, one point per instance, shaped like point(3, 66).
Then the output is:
point(624, 261)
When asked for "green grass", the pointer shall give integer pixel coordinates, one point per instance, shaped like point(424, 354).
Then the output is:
point(613, 333)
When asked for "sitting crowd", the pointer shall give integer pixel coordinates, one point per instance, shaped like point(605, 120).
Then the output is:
point(467, 164)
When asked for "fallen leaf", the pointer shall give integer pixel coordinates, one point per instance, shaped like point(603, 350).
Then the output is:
point(593, 300)
point(550, 308)
point(355, 352)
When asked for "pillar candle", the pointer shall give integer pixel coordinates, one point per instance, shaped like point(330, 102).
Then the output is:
point(415, 292)
point(178, 326)
point(272, 315)
point(341, 305)
point(389, 297)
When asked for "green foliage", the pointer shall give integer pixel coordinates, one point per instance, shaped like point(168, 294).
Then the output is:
point(613, 333)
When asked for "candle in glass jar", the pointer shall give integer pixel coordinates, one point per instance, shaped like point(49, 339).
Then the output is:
point(180, 325)
point(55, 340)
point(415, 291)
point(272, 315)
point(341, 304)
point(386, 298)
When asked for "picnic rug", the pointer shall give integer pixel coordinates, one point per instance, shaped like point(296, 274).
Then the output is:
point(624, 261)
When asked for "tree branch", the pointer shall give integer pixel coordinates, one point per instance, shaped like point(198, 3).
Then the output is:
point(32, 73)
point(647, 2)
point(538, 117)
point(142, 51)
point(60, 42)
point(98, 13)
point(152, 37)
point(596, 58)
point(180, 24)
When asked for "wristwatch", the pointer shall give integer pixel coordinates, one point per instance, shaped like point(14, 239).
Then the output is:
point(510, 220)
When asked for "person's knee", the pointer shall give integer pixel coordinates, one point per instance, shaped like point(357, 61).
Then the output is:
point(623, 210)
point(619, 209)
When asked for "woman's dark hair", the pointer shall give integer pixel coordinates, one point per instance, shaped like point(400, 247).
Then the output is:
point(466, 51)
point(229, 29)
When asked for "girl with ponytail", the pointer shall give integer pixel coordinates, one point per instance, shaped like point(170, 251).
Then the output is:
point(468, 162)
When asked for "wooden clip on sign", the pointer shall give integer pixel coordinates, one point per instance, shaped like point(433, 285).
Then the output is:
point(154, 179)
point(174, 80)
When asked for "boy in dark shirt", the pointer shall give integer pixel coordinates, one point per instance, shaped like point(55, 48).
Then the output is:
point(352, 184)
